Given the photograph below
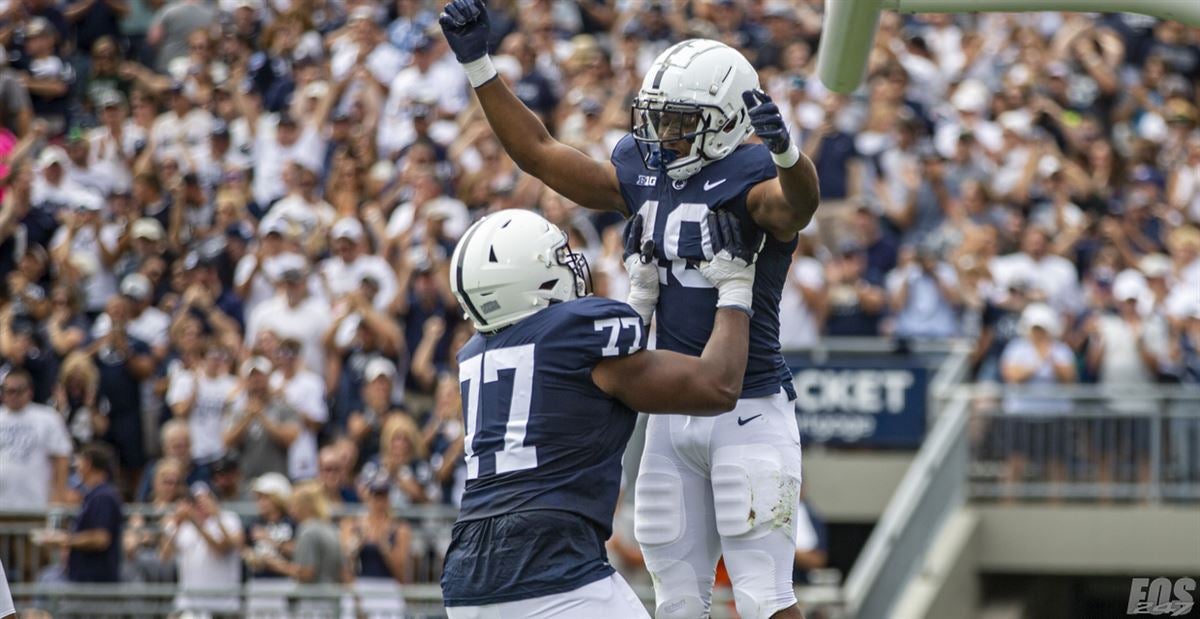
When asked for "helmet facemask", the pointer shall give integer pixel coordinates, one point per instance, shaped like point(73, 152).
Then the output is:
point(581, 273)
point(661, 129)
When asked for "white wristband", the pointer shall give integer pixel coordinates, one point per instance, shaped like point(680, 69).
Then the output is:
point(480, 71)
point(787, 158)
point(738, 295)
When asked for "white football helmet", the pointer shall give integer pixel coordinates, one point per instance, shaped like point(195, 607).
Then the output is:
point(692, 94)
point(512, 264)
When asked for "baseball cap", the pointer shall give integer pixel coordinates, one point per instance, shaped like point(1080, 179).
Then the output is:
point(39, 26)
point(347, 228)
point(1155, 265)
point(316, 90)
point(274, 225)
point(109, 98)
point(361, 13)
point(422, 43)
point(199, 488)
point(1039, 315)
point(971, 96)
point(377, 367)
point(1128, 286)
point(257, 364)
point(274, 485)
point(779, 8)
point(90, 203)
point(137, 286)
point(52, 155)
point(147, 228)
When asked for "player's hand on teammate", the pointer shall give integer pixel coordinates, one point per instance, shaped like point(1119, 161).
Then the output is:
point(642, 268)
point(466, 26)
point(767, 121)
point(731, 269)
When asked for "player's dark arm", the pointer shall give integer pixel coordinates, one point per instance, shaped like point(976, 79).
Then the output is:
point(580, 178)
point(783, 205)
point(660, 381)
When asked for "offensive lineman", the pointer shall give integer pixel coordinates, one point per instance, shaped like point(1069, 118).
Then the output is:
point(726, 485)
point(548, 383)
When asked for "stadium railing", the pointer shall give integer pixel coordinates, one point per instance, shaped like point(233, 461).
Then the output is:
point(1086, 442)
point(421, 601)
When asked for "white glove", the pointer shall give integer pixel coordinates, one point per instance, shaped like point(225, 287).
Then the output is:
point(731, 269)
point(733, 279)
point(643, 286)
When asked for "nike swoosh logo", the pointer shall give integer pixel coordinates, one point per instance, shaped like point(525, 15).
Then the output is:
point(708, 185)
point(742, 422)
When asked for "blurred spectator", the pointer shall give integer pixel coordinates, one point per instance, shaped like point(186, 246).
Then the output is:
point(260, 427)
point(225, 478)
point(270, 533)
point(95, 538)
point(206, 542)
point(77, 399)
point(47, 76)
point(1037, 361)
point(805, 298)
point(856, 302)
point(176, 440)
point(124, 362)
point(198, 394)
point(402, 460)
point(303, 391)
point(1000, 319)
point(16, 109)
point(367, 422)
point(35, 449)
point(335, 476)
point(445, 438)
point(317, 558)
point(142, 562)
point(171, 27)
point(377, 552)
point(294, 315)
point(924, 295)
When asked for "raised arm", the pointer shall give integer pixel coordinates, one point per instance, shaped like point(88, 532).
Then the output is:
point(784, 205)
point(566, 170)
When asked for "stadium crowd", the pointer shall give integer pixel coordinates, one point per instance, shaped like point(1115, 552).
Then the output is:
point(225, 231)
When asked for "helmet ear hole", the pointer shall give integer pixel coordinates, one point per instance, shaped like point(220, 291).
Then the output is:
point(548, 285)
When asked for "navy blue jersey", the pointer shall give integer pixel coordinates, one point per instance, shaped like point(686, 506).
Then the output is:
point(543, 446)
point(675, 213)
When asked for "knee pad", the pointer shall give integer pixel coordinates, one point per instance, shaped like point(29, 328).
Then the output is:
point(762, 579)
point(677, 591)
point(658, 516)
point(754, 490)
point(680, 607)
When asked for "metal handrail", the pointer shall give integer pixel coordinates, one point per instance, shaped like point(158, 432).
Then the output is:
point(245, 509)
point(931, 484)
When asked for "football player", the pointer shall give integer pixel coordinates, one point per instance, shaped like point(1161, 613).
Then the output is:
point(550, 384)
point(726, 485)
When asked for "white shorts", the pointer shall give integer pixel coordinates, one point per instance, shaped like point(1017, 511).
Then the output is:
point(726, 485)
point(607, 598)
